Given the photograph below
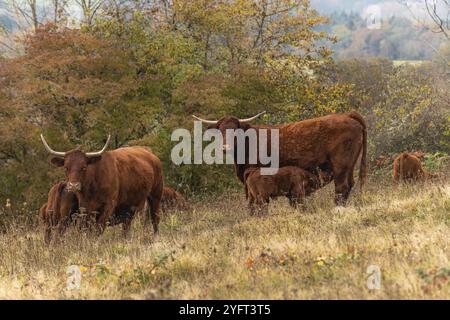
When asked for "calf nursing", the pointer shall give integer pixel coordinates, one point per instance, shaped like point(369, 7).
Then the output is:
point(290, 181)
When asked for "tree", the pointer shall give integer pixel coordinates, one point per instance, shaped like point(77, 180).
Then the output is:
point(89, 8)
point(140, 69)
point(439, 12)
point(28, 11)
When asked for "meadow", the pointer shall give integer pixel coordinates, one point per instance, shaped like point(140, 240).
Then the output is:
point(220, 252)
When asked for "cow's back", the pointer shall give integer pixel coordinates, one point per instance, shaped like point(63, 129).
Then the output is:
point(310, 142)
point(139, 174)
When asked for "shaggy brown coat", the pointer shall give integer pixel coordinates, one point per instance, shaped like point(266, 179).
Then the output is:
point(408, 168)
point(292, 182)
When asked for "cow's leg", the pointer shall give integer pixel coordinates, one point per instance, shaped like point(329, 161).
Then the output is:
point(66, 210)
point(62, 226)
point(343, 162)
point(126, 225)
point(86, 216)
point(350, 180)
point(297, 201)
point(259, 204)
point(396, 174)
point(341, 188)
point(263, 204)
point(146, 213)
point(104, 216)
point(251, 203)
point(47, 234)
point(154, 205)
point(293, 201)
point(266, 207)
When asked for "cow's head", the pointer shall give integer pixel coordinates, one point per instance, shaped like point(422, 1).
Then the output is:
point(228, 122)
point(380, 161)
point(419, 154)
point(75, 163)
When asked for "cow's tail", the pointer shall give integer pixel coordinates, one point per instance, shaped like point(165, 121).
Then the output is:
point(401, 166)
point(363, 165)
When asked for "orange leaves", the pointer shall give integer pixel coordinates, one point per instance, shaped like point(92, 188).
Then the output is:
point(268, 259)
point(435, 279)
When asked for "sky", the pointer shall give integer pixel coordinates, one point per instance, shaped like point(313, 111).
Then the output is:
point(404, 8)
point(399, 8)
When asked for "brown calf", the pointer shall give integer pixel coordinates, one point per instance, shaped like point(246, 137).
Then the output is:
point(172, 200)
point(290, 181)
point(408, 167)
point(57, 211)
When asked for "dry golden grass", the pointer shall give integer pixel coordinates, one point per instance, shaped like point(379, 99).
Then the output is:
point(220, 252)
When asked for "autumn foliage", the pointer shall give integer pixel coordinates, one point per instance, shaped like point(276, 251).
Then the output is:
point(138, 74)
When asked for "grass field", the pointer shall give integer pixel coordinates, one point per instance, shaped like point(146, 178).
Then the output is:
point(220, 252)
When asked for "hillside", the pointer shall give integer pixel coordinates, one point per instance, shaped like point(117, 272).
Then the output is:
point(397, 38)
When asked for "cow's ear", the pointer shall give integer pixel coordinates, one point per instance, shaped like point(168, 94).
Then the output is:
point(93, 159)
point(58, 162)
point(244, 126)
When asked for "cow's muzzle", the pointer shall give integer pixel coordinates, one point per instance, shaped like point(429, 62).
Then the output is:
point(73, 186)
point(226, 147)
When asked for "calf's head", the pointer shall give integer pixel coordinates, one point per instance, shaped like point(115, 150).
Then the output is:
point(75, 163)
point(228, 122)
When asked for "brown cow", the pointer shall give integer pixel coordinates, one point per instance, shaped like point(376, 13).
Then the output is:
point(173, 200)
point(331, 143)
point(408, 168)
point(105, 182)
point(59, 210)
point(56, 213)
point(292, 182)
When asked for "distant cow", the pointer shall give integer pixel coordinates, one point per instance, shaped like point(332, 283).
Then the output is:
point(407, 167)
point(106, 182)
point(56, 213)
point(331, 144)
point(173, 200)
point(292, 182)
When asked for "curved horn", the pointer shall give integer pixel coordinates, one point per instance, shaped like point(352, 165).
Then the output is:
point(50, 150)
point(99, 153)
point(251, 118)
point(205, 121)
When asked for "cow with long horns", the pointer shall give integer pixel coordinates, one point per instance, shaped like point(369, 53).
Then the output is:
point(106, 182)
point(329, 144)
